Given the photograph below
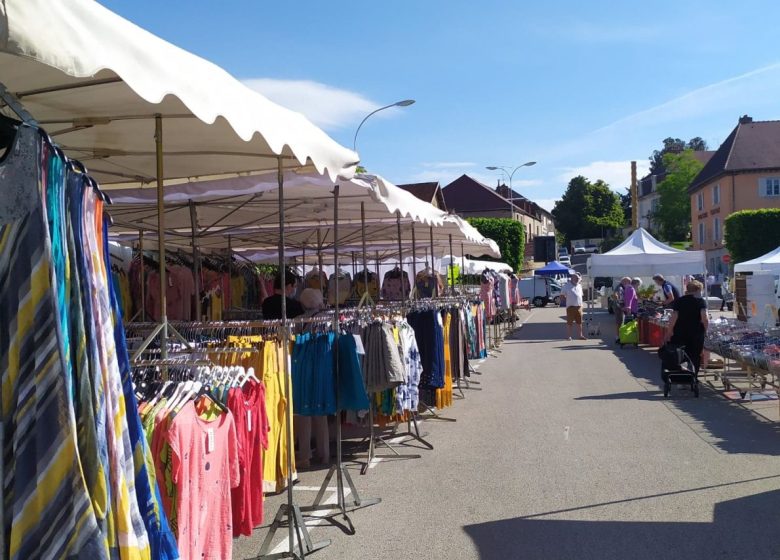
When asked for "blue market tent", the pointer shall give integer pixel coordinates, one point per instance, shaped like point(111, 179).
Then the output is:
point(554, 269)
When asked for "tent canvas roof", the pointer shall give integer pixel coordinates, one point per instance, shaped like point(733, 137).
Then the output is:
point(553, 268)
point(769, 262)
point(95, 81)
point(643, 255)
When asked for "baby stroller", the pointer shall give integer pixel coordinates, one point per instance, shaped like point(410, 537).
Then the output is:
point(677, 368)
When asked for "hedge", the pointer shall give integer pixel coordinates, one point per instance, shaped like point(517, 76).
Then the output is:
point(508, 234)
point(752, 233)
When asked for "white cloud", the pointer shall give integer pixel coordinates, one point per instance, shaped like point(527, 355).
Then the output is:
point(520, 183)
point(324, 105)
point(735, 93)
point(615, 173)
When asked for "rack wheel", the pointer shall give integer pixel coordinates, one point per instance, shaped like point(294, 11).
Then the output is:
point(667, 388)
point(742, 394)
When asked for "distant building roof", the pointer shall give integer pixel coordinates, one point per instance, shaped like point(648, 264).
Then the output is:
point(467, 195)
point(429, 192)
point(751, 146)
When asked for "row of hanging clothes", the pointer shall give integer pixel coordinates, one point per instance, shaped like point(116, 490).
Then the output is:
point(225, 283)
point(76, 482)
point(499, 291)
point(215, 418)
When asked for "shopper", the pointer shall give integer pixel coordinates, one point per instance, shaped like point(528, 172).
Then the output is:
point(572, 291)
point(669, 292)
point(312, 303)
point(630, 299)
point(725, 292)
point(689, 322)
point(617, 307)
point(272, 305)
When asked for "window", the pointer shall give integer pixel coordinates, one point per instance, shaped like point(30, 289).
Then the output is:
point(655, 205)
point(700, 201)
point(716, 230)
point(716, 195)
point(771, 187)
point(701, 233)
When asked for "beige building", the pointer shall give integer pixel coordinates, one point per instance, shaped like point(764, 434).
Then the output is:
point(743, 174)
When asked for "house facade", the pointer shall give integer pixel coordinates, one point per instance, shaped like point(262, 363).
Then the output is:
point(469, 198)
point(743, 174)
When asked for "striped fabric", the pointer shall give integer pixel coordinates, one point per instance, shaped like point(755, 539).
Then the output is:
point(47, 510)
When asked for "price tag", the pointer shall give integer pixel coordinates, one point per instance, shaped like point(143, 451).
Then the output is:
point(209, 441)
point(359, 344)
point(249, 420)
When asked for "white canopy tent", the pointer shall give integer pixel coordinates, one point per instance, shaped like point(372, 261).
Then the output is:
point(765, 263)
point(643, 255)
point(472, 266)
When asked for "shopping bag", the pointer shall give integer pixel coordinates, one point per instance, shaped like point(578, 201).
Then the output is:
point(629, 333)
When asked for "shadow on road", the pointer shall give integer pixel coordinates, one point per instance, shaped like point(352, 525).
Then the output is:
point(726, 425)
point(742, 528)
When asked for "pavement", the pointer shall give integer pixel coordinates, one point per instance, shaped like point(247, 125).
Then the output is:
point(568, 451)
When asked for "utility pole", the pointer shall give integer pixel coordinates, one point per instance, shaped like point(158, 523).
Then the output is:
point(634, 198)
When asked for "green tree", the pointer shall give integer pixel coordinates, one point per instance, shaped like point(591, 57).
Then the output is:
point(508, 234)
point(673, 215)
point(587, 210)
point(673, 146)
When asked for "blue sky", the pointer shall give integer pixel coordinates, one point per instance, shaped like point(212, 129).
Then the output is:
point(580, 87)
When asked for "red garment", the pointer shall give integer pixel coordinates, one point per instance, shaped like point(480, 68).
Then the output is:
point(248, 407)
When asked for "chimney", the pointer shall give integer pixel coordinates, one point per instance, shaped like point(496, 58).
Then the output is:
point(745, 119)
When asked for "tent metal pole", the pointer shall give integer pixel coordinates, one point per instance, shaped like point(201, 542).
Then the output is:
point(143, 275)
point(195, 257)
point(462, 266)
point(433, 259)
point(319, 258)
point(158, 142)
point(303, 264)
point(226, 298)
point(376, 265)
point(452, 267)
point(366, 294)
point(414, 261)
point(400, 254)
point(296, 526)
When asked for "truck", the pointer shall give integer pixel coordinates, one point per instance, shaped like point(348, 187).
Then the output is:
point(540, 291)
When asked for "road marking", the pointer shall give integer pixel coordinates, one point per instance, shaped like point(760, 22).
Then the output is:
point(566, 433)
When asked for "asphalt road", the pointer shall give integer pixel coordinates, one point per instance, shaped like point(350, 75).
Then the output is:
point(569, 451)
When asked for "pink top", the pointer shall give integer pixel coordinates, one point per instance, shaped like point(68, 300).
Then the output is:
point(205, 468)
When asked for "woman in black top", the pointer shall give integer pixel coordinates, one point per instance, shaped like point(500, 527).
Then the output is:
point(689, 322)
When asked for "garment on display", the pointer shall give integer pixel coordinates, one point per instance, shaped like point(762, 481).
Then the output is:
point(66, 386)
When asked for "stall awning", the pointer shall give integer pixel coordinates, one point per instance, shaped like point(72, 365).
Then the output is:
point(553, 269)
point(95, 82)
point(246, 209)
point(769, 262)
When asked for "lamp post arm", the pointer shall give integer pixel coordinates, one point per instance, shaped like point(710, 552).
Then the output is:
point(354, 140)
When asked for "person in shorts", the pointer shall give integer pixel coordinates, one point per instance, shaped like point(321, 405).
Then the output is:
point(572, 291)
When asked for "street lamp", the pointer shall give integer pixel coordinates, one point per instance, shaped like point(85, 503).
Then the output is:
point(505, 170)
point(404, 103)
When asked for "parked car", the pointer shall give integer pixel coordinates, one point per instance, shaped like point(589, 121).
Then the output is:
point(540, 290)
point(563, 252)
point(591, 248)
point(579, 250)
point(565, 259)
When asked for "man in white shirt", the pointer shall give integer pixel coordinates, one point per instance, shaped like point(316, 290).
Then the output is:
point(572, 291)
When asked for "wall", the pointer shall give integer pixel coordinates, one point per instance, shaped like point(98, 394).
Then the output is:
point(737, 192)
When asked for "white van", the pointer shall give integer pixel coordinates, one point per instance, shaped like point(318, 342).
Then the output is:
point(540, 291)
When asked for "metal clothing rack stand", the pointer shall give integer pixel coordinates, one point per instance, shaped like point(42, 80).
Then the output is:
point(338, 470)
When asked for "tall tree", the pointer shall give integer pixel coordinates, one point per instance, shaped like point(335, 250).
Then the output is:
point(587, 209)
point(674, 210)
point(673, 146)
